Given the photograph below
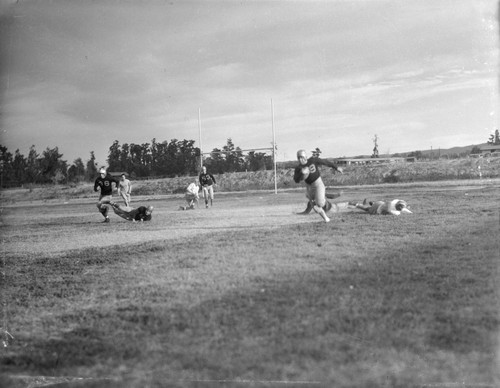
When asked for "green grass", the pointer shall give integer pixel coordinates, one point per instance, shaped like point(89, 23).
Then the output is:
point(254, 295)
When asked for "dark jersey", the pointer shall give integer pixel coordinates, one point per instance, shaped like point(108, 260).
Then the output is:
point(139, 214)
point(106, 184)
point(207, 179)
point(314, 173)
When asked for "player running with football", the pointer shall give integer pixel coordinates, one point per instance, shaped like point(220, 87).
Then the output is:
point(207, 182)
point(104, 182)
point(308, 171)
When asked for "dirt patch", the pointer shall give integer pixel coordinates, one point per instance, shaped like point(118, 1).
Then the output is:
point(76, 224)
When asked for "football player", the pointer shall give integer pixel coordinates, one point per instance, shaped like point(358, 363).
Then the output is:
point(207, 182)
point(308, 171)
point(394, 207)
point(104, 182)
point(192, 195)
point(142, 213)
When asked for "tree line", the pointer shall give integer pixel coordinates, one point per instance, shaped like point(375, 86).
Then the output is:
point(44, 168)
point(182, 158)
point(155, 159)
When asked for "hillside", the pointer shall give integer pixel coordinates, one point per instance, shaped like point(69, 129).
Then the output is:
point(454, 152)
point(431, 153)
point(447, 152)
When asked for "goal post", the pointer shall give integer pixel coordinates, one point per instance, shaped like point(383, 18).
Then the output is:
point(272, 149)
point(199, 133)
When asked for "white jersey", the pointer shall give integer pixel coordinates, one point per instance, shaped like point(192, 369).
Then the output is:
point(193, 189)
point(394, 207)
point(125, 186)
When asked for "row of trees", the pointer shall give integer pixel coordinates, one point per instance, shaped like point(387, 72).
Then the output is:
point(48, 167)
point(177, 157)
point(231, 159)
point(181, 157)
point(165, 159)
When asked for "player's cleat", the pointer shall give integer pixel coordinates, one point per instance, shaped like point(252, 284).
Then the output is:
point(322, 213)
point(192, 206)
point(106, 220)
point(182, 207)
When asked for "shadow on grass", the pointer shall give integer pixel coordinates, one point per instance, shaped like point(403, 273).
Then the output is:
point(402, 315)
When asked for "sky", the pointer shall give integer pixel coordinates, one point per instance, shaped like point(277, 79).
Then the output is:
point(80, 74)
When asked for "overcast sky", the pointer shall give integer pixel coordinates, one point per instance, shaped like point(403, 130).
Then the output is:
point(80, 74)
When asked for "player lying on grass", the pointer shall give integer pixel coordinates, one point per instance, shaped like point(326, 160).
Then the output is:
point(142, 213)
point(310, 204)
point(192, 195)
point(394, 207)
point(308, 171)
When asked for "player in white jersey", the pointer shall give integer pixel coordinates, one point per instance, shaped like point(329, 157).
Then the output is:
point(192, 195)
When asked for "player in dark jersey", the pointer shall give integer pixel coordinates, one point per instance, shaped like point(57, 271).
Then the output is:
point(142, 213)
point(308, 171)
point(207, 181)
point(105, 183)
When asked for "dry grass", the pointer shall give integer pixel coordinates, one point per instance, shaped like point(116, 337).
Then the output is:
point(355, 175)
point(249, 294)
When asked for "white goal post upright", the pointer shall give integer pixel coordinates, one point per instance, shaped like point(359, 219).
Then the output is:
point(199, 133)
point(273, 148)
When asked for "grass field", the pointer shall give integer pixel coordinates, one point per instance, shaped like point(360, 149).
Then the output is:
point(249, 294)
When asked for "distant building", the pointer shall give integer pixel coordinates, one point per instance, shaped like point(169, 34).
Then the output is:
point(349, 161)
point(490, 150)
